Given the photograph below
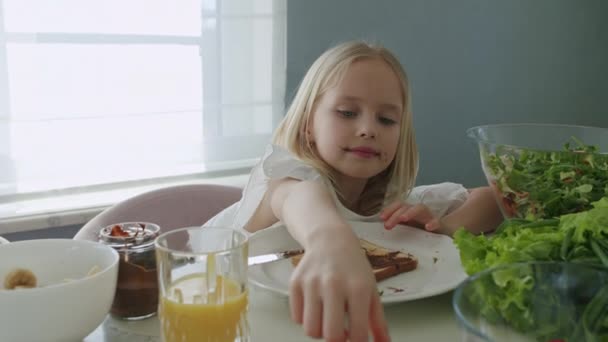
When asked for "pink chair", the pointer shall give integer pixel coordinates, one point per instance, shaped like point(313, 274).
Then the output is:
point(170, 208)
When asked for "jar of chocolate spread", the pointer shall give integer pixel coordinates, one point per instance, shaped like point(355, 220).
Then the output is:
point(136, 294)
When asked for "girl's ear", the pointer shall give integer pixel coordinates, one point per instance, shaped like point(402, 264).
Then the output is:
point(310, 137)
point(306, 131)
point(307, 137)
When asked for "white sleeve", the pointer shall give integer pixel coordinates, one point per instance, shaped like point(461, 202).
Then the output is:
point(277, 163)
point(225, 218)
point(441, 199)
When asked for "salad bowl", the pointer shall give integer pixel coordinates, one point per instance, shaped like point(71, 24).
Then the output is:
point(534, 301)
point(541, 171)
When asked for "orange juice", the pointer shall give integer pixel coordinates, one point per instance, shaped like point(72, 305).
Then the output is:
point(189, 312)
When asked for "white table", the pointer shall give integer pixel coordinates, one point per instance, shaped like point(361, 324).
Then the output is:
point(428, 320)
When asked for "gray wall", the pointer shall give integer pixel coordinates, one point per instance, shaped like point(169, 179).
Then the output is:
point(471, 62)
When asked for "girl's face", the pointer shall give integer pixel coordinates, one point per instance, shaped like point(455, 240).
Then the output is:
point(356, 124)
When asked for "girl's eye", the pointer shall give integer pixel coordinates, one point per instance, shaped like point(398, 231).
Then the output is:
point(347, 113)
point(387, 121)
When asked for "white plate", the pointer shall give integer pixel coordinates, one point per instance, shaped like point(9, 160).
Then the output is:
point(439, 268)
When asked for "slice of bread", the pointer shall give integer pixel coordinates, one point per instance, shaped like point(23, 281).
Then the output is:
point(385, 263)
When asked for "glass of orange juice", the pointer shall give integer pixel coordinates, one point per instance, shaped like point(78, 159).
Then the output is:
point(202, 276)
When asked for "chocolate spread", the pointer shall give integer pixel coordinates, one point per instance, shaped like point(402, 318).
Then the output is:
point(136, 294)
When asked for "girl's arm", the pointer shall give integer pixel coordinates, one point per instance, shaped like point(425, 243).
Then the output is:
point(334, 273)
point(308, 211)
point(479, 213)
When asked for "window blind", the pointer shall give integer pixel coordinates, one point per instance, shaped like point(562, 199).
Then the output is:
point(108, 92)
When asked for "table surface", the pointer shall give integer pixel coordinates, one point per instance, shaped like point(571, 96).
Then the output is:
point(428, 319)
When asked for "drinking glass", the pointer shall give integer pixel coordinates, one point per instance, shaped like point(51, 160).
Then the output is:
point(203, 285)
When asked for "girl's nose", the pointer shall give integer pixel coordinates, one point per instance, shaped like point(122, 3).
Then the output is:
point(367, 131)
point(368, 126)
point(365, 134)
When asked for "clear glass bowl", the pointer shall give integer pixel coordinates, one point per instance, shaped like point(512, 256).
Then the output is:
point(535, 176)
point(537, 301)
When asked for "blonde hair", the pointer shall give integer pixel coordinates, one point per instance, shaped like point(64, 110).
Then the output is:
point(326, 72)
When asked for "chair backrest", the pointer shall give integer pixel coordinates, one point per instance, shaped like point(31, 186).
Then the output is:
point(172, 207)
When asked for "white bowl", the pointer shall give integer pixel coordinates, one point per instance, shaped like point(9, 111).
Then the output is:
point(56, 310)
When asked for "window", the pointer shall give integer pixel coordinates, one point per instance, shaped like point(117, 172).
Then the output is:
point(105, 92)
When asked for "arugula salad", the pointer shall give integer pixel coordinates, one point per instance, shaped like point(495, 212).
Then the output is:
point(580, 237)
point(535, 184)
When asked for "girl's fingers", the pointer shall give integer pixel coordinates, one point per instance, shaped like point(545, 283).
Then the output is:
point(416, 213)
point(388, 211)
point(333, 315)
point(296, 301)
point(358, 315)
point(313, 310)
point(433, 225)
point(395, 217)
point(377, 321)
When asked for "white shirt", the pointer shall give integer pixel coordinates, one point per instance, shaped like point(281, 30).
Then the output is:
point(278, 163)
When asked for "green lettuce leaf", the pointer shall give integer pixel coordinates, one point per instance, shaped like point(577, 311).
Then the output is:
point(580, 237)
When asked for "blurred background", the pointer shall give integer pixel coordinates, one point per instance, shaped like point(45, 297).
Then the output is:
point(471, 63)
point(105, 96)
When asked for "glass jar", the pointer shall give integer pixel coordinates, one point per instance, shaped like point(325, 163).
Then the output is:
point(136, 294)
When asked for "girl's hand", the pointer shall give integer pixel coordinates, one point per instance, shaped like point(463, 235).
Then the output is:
point(334, 280)
point(418, 215)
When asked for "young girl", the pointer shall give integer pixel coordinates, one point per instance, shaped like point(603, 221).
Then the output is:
point(345, 152)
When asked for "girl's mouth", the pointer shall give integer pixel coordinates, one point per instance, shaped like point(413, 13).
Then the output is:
point(363, 152)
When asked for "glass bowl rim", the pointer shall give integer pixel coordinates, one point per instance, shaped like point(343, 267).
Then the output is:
point(459, 289)
point(471, 133)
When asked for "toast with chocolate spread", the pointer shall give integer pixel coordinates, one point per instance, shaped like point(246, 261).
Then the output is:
point(385, 263)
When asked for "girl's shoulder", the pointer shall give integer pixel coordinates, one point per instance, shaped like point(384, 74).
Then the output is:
point(279, 163)
point(276, 163)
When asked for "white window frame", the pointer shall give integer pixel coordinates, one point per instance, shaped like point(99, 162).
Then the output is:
point(35, 210)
